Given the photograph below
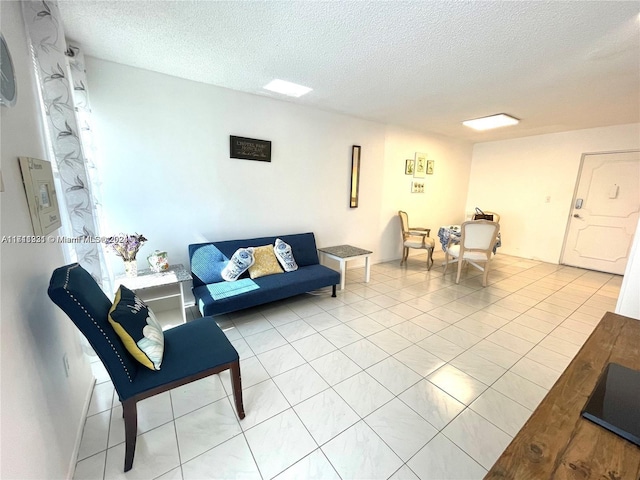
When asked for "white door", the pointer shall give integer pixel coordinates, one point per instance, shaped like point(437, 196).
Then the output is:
point(605, 212)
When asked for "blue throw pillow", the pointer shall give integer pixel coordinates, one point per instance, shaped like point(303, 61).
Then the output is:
point(138, 328)
point(207, 263)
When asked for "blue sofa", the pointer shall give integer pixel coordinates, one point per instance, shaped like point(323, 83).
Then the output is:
point(208, 259)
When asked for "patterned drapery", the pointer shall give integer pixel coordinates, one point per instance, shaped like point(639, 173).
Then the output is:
point(64, 130)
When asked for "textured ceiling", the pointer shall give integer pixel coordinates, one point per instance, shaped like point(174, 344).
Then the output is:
point(426, 65)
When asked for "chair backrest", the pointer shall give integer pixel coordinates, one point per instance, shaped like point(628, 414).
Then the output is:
point(75, 291)
point(479, 236)
point(404, 222)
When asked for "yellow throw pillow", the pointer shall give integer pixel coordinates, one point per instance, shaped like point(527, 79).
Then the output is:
point(266, 262)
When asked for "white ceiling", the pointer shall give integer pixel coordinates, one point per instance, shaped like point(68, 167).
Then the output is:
point(426, 65)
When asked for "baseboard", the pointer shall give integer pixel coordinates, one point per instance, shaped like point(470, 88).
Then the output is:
point(83, 420)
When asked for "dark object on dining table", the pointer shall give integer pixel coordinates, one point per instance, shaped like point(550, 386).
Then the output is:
point(480, 215)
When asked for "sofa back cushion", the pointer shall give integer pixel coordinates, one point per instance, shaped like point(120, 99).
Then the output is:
point(206, 265)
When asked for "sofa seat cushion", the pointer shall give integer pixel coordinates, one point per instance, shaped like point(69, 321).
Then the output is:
point(272, 287)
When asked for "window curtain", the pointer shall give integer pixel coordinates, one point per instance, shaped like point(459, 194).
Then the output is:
point(66, 109)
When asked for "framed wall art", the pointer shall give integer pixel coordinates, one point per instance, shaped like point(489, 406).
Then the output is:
point(430, 167)
point(249, 148)
point(421, 165)
point(37, 177)
point(408, 166)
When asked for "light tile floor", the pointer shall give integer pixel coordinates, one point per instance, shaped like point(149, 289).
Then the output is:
point(409, 376)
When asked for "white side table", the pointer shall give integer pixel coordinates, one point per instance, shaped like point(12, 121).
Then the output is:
point(147, 280)
point(344, 253)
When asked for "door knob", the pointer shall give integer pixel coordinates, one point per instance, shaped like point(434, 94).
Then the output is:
point(575, 215)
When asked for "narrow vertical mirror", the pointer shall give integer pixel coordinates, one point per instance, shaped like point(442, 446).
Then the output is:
point(355, 175)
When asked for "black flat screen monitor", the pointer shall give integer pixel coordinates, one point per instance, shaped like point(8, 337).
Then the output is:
point(615, 402)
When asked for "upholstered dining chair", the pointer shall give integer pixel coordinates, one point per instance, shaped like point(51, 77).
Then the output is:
point(415, 237)
point(475, 247)
point(192, 351)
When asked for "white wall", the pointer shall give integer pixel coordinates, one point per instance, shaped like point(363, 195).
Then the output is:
point(41, 408)
point(514, 177)
point(445, 191)
point(168, 175)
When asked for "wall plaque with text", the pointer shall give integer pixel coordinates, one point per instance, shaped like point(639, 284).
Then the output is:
point(250, 149)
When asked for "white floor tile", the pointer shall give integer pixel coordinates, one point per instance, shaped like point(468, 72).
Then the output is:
point(345, 313)
point(441, 459)
point(364, 353)
point(536, 372)
point(91, 468)
point(313, 346)
point(393, 375)
point(335, 367)
point(365, 326)
point(401, 428)
point(411, 331)
point(101, 399)
point(520, 389)
point(440, 347)
point(156, 454)
point(206, 428)
point(194, 395)
point(232, 459)
point(95, 435)
point(478, 367)
point(363, 393)
point(262, 401)
point(280, 359)
point(326, 415)
point(251, 373)
point(322, 320)
point(264, 341)
point(341, 335)
point(419, 360)
point(175, 474)
point(279, 442)
point(478, 437)
point(495, 354)
point(433, 404)
point(404, 473)
point(295, 330)
point(368, 456)
point(458, 384)
point(300, 383)
point(500, 410)
point(314, 466)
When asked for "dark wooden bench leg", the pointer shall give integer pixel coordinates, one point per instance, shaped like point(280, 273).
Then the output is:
point(236, 382)
point(130, 414)
point(333, 291)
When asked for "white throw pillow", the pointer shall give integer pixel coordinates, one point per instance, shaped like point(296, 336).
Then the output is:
point(285, 256)
point(241, 260)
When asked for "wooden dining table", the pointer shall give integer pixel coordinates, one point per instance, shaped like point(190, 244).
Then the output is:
point(557, 442)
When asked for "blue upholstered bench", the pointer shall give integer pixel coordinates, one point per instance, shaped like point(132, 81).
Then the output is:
point(208, 259)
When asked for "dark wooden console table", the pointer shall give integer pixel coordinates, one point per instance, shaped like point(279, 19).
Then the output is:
point(556, 442)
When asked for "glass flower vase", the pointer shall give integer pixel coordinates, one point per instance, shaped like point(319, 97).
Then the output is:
point(131, 268)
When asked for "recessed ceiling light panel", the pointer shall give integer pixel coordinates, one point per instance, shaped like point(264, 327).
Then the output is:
point(493, 121)
point(287, 88)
